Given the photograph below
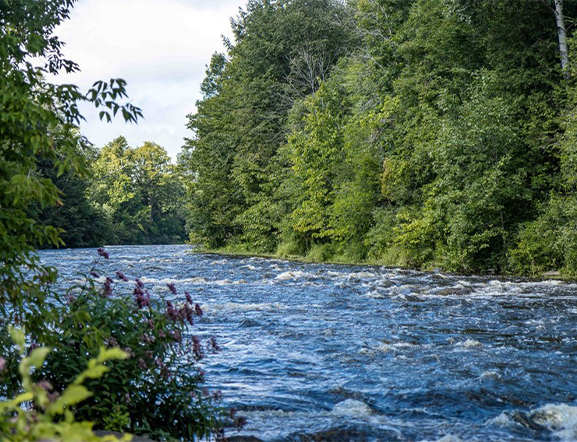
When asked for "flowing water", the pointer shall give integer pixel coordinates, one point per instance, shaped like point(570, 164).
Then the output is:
point(332, 352)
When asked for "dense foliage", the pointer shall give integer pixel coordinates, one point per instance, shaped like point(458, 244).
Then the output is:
point(52, 417)
point(45, 163)
point(160, 367)
point(428, 133)
point(139, 193)
point(128, 196)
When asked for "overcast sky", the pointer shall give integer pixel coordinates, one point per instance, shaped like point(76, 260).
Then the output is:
point(160, 47)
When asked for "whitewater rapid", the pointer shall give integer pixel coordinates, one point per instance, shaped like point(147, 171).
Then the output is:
point(334, 352)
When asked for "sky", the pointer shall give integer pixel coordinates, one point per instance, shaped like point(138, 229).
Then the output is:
point(160, 47)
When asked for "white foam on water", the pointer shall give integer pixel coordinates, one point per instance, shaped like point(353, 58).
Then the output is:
point(287, 276)
point(360, 275)
point(490, 375)
point(375, 294)
point(248, 267)
point(223, 261)
point(383, 348)
point(404, 345)
point(352, 408)
point(372, 351)
point(561, 419)
point(386, 348)
point(366, 351)
point(243, 307)
point(197, 280)
point(503, 420)
point(470, 343)
point(450, 438)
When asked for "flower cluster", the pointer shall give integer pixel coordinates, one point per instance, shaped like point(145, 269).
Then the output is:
point(186, 312)
point(103, 253)
point(155, 332)
point(107, 287)
point(141, 295)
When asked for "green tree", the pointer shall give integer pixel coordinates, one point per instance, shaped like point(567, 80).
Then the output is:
point(78, 221)
point(38, 122)
point(422, 132)
point(282, 51)
point(140, 192)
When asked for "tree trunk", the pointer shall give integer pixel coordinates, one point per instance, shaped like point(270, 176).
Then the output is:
point(562, 32)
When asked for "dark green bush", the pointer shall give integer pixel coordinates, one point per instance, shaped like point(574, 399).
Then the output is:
point(158, 390)
point(548, 243)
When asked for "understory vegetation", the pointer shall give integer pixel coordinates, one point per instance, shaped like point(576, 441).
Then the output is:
point(423, 133)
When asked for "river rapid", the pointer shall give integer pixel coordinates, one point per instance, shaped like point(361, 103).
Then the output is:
point(355, 353)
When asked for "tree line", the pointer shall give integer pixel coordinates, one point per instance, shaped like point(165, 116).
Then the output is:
point(422, 133)
point(426, 133)
point(129, 196)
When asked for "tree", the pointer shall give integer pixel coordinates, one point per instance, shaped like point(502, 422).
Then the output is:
point(557, 11)
point(38, 122)
point(79, 222)
point(140, 193)
point(282, 50)
point(429, 133)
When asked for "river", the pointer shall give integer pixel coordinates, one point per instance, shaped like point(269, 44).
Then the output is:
point(336, 352)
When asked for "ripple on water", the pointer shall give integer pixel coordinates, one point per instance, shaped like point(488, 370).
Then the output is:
point(483, 358)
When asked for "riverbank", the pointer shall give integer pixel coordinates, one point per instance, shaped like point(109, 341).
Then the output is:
point(343, 260)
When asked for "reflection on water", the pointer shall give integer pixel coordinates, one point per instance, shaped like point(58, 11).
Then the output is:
point(329, 352)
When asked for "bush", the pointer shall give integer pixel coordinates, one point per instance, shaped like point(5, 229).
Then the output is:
point(158, 390)
point(48, 416)
point(290, 248)
point(549, 242)
point(321, 252)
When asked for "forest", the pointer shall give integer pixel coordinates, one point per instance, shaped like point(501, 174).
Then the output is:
point(416, 133)
point(128, 196)
point(419, 133)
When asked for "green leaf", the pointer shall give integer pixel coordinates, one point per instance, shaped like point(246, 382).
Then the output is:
point(73, 395)
point(18, 337)
point(38, 356)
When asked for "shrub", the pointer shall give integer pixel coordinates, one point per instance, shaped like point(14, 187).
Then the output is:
point(550, 241)
point(321, 252)
point(48, 416)
point(158, 390)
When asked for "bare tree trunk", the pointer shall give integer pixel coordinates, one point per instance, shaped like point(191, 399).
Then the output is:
point(557, 11)
point(562, 32)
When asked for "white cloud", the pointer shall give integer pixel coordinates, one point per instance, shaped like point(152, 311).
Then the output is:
point(160, 47)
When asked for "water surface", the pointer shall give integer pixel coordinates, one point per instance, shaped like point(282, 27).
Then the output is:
point(333, 352)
